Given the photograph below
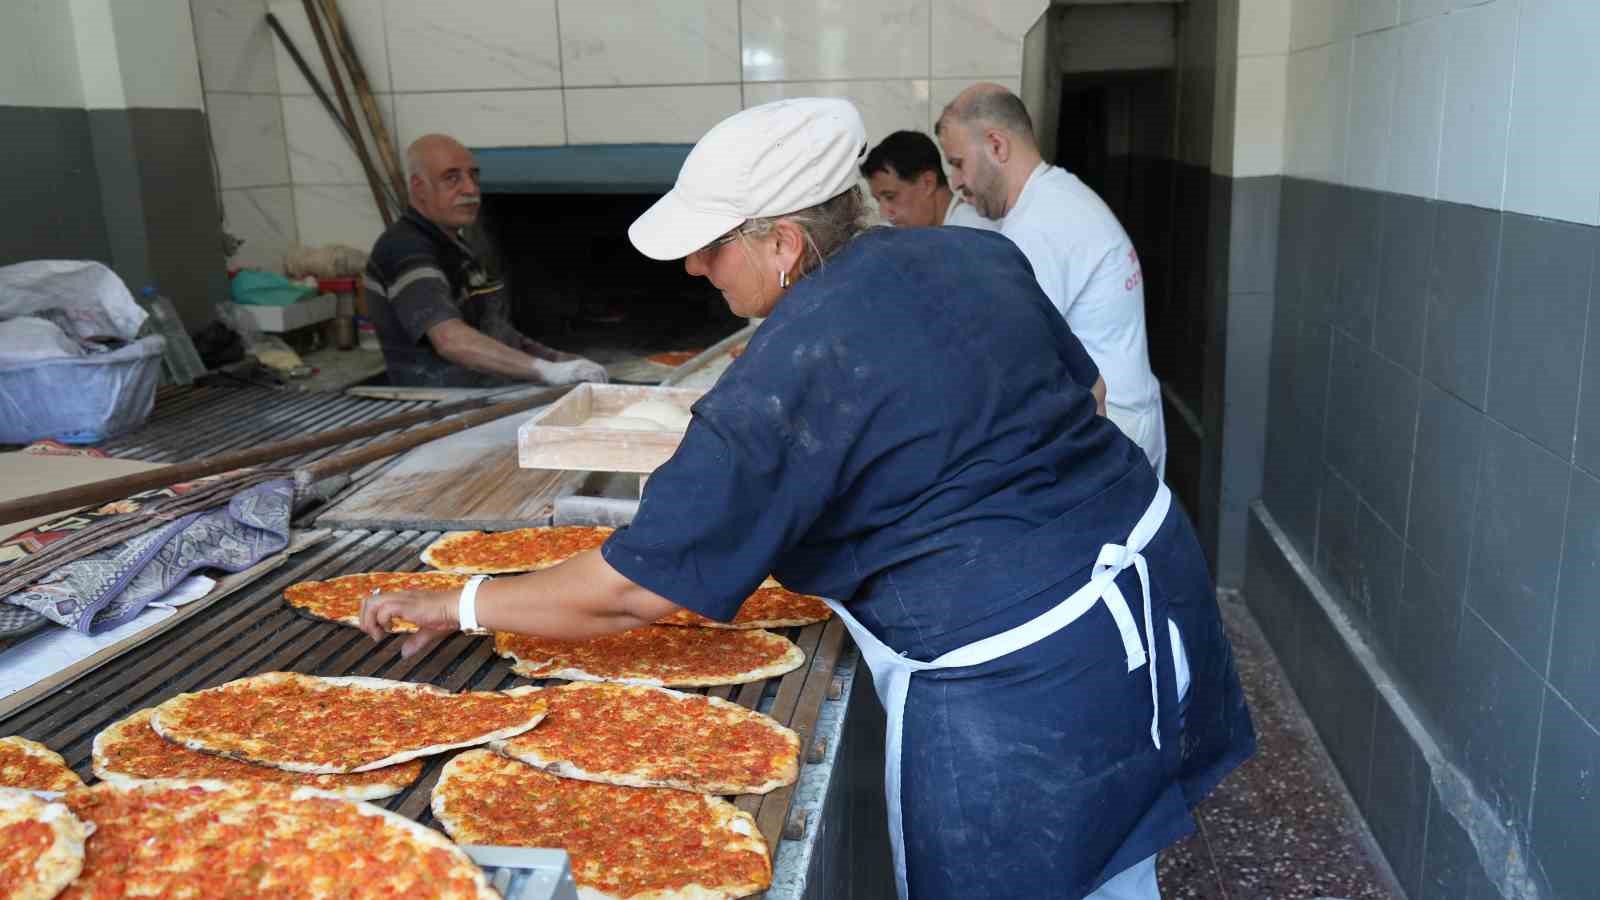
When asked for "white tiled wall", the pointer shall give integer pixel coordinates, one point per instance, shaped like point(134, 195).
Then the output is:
point(1416, 121)
point(1477, 104)
point(1483, 102)
point(1554, 133)
point(500, 73)
point(1374, 71)
point(677, 114)
point(264, 218)
point(1260, 88)
point(240, 77)
point(163, 72)
point(612, 43)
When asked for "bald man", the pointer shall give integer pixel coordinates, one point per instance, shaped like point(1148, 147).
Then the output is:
point(442, 321)
point(1082, 257)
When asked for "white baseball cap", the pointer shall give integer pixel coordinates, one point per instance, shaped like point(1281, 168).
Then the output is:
point(768, 160)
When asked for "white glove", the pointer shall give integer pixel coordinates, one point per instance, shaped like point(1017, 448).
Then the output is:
point(570, 372)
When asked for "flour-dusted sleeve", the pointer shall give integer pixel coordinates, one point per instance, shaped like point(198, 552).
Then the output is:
point(421, 298)
point(756, 468)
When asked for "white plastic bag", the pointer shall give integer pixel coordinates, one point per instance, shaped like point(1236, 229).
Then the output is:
point(30, 339)
point(92, 296)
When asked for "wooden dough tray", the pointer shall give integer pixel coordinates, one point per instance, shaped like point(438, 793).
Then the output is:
point(559, 438)
point(255, 631)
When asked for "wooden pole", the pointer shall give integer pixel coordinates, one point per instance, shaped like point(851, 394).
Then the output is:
point(316, 85)
point(373, 181)
point(127, 485)
point(363, 89)
point(360, 456)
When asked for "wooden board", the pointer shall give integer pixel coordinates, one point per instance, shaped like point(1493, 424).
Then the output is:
point(558, 437)
point(27, 474)
point(468, 481)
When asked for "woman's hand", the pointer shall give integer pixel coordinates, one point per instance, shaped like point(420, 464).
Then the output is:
point(433, 612)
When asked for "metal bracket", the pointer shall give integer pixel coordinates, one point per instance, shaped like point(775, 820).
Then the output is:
point(525, 873)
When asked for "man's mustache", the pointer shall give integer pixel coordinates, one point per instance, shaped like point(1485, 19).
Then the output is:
point(467, 201)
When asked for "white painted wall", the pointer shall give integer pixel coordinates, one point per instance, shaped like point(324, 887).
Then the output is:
point(99, 67)
point(1483, 102)
point(156, 54)
point(245, 109)
point(38, 55)
point(1260, 74)
point(553, 72)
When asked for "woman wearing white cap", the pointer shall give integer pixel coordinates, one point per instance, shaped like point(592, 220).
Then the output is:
point(912, 431)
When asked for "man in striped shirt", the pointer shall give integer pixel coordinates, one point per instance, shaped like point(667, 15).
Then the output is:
point(441, 319)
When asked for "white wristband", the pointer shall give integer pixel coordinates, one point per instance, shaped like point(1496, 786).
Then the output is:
point(467, 607)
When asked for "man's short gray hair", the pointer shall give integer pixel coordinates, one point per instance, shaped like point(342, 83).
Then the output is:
point(996, 109)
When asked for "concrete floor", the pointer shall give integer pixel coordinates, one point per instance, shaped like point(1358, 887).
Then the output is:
point(1282, 826)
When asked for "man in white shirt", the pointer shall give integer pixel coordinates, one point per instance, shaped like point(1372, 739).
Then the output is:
point(1082, 257)
point(907, 179)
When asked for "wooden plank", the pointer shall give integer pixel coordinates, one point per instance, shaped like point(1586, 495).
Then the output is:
point(467, 481)
point(402, 392)
point(750, 694)
point(198, 425)
point(797, 706)
point(25, 474)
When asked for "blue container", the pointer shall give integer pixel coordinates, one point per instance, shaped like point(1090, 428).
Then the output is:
point(80, 400)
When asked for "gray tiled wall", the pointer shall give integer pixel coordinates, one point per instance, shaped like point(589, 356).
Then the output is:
point(1433, 451)
point(50, 187)
point(1240, 298)
point(132, 188)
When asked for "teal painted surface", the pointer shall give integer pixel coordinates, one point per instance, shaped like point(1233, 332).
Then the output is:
point(582, 168)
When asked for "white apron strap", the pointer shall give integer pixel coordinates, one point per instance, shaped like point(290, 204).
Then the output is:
point(891, 676)
point(891, 672)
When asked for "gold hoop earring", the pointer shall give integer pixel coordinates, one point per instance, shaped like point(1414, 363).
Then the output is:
point(783, 279)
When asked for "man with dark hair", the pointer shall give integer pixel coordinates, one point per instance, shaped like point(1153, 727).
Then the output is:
point(1081, 256)
point(907, 179)
point(441, 319)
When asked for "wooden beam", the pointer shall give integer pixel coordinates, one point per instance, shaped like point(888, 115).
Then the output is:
point(354, 128)
point(363, 88)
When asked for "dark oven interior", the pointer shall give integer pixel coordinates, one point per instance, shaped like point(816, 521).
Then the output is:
point(577, 284)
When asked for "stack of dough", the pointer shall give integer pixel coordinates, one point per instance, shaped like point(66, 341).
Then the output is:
point(645, 415)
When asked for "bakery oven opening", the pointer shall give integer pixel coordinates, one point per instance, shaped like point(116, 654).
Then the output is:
point(577, 284)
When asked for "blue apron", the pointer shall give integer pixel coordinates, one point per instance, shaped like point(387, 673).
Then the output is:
point(912, 432)
point(892, 672)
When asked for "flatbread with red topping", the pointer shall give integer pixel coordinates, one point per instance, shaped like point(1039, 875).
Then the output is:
point(624, 843)
point(339, 599)
point(328, 726)
point(522, 550)
point(130, 752)
point(32, 766)
point(655, 654)
point(771, 606)
point(210, 839)
point(41, 846)
point(641, 736)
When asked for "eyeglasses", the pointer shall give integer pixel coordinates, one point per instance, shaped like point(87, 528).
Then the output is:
point(728, 238)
